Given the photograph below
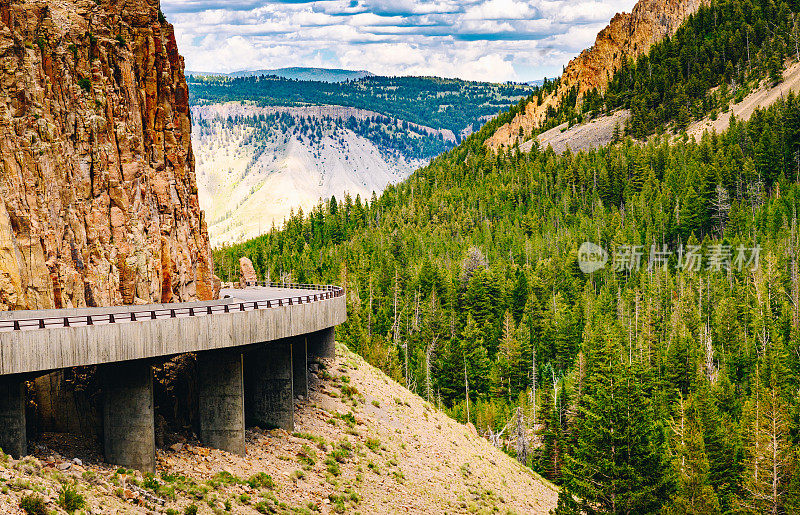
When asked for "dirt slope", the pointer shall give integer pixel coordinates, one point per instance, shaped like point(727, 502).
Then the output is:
point(585, 136)
point(364, 444)
point(760, 98)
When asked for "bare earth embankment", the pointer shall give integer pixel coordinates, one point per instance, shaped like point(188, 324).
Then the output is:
point(600, 131)
point(586, 136)
point(758, 99)
point(363, 444)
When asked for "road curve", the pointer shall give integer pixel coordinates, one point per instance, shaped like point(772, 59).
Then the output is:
point(38, 341)
point(246, 299)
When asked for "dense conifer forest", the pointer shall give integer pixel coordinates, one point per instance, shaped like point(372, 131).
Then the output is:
point(654, 384)
point(434, 102)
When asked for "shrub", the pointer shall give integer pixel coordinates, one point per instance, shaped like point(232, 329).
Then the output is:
point(85, 83)
point(150, 482)
point(33, 505)
point(190, 510)
point(332, 466)
point(261, 480)
point(349, 418)
point(225, 478)
point(307, 455)
point(70, 500)
point(373, 444)
point(348, 391)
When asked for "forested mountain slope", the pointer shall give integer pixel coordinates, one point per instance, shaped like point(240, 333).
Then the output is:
point(627, 36)
point(465, 281)
point(255, 165)
point(450, 104)
point(465, 276)
point(724, 51)
point(268, 145)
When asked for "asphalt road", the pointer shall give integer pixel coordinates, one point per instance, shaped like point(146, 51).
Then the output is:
point(78, 317)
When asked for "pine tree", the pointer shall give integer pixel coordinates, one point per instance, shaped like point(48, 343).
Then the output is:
point(721, 441)
point(551, 453)
point(768, 450)
point(617, 466)
point(519, 295)
point(693, 214)
point(694, 494)
point(475, 356)
point(641, 170)
point(509, 356)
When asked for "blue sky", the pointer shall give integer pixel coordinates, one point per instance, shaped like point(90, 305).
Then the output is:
point(494, 40)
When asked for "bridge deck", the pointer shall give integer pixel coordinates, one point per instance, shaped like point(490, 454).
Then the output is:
point(44, 340)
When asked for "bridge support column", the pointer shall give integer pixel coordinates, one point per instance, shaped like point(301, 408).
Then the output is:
point(300, 367)
point(221, 396)
point(128, 415)
point(13, 439)
point(322, 344)
point(268, 383)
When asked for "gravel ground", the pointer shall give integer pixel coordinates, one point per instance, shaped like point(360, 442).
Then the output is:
point(363, 444)
point(587, 136)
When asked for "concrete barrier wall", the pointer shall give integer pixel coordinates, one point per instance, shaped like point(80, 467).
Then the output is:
point(42, 350)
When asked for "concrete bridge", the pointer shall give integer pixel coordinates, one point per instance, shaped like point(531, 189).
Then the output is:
point(252, 350)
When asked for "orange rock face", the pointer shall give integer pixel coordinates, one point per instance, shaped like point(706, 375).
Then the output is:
point(627, 36)
point(247, 273)
point(98, 199)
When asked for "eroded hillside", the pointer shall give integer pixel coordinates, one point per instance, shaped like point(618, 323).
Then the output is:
point(100, 203)
point(257, 164)
point(363, 443)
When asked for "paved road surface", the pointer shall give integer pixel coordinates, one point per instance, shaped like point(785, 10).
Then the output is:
point(78, 317)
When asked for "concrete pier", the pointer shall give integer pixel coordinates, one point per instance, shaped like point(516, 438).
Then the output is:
point(13, 438)
point(300, 367)
point(128, 415)
point(322, 344)
point(277, 328)
point(221, 396)
point(268, 385)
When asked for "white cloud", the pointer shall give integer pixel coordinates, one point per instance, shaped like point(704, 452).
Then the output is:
point(493, 40)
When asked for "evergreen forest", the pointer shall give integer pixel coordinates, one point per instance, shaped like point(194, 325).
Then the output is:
point(430, 101)
point(650, 389)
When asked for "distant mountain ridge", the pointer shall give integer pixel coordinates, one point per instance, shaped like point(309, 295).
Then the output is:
point(267, 145)
point(331, 75)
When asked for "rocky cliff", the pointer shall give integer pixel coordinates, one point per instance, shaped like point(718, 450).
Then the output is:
point(629, 35)
point(98, 195)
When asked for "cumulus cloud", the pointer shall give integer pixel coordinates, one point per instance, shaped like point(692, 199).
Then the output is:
point(494, 40)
